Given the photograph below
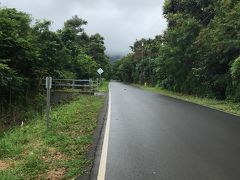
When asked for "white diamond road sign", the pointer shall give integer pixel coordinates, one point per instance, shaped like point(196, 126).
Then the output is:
point(100, 71)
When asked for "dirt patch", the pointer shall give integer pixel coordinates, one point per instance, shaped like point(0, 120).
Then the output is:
point(56, 174)
point(4, 165)
point(54, 154)
point(28, 150)
point(78, 113)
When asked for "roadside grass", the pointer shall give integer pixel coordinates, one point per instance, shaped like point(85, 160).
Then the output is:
point(104, 86)
point(32, 152)
point(225, 106)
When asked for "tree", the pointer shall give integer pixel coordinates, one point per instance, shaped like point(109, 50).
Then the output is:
point(31, 51)
point(85, 67)
point(235, 73)
point(75, 24)
point(196, 54)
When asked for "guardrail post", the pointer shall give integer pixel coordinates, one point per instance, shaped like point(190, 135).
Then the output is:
point(97, 84)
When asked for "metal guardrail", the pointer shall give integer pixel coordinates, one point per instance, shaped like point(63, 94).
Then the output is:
point(75, 85)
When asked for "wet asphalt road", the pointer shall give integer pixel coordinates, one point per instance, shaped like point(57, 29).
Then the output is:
point(161, 138)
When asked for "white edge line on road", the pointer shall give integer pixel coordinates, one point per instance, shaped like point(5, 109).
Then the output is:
point(103, 161)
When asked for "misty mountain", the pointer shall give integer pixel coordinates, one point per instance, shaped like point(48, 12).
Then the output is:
point(114, 58)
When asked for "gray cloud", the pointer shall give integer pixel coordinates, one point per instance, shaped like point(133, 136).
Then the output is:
point(121, 22)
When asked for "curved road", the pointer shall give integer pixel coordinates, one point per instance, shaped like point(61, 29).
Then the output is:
point(153, 137)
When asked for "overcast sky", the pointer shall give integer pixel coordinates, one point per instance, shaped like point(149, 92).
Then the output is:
point(120, 22)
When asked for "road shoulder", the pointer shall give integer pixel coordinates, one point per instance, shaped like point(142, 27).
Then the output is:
point(223, 106)
point(95, 150)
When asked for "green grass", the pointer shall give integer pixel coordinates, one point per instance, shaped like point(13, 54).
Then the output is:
point(225, 106)
point(104, 86)
point(32, 152)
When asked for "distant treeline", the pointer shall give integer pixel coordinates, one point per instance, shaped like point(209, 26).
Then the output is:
point(31, 51)
point(199, 53)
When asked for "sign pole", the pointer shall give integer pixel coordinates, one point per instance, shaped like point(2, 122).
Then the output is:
point(48, 87)
point(48, 107)
point(100, 71)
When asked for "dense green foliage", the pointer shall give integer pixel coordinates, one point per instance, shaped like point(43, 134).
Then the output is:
point(197, 54)
point(31, 51)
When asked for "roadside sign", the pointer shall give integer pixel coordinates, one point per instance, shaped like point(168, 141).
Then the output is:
point(100, 71)
point(48, 82)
